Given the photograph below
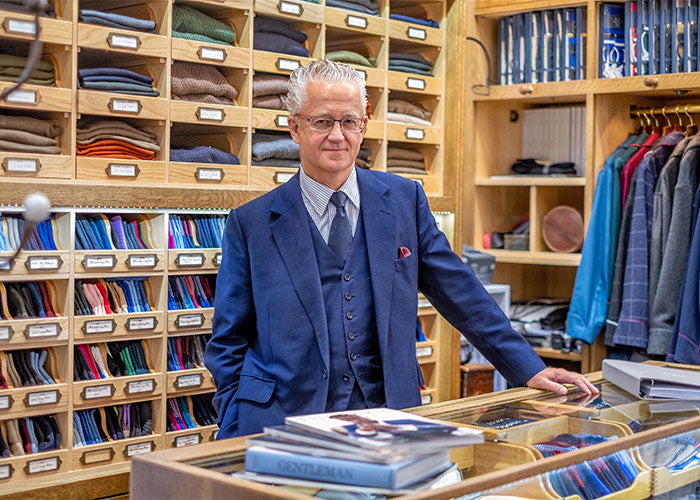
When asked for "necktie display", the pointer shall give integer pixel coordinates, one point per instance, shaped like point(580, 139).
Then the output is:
point(340, 236)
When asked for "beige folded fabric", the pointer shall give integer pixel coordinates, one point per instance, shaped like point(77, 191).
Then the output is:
point(404, 154)
point(28, 138)
point(14, 440)
point(267, 84)
point(362, 163)
point(114, 127)
point(277, 101)
point(27, 148)
point(29, 124)
point(142, 144)
point(394, 163)
point(407, 119)
point(203, 98)
point(405, 170)
point(193, 78)
point(401, 106)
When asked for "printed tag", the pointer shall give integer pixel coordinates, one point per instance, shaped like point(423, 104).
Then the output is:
point(287, 64)
point(21, 165)
point(290, 8)
point(184, 381)
point(415, 133)
point(139, 449)
point(356, 22)
point(5, 332)
point(282, 121)
point(415, 83)
point(214, 434)
point(124, 41)
point(141, 386)
point(47, 464)
point(190, 320)
point(424, 351)
point(41, 398)
point(99, 261)
point(99, 326)
point(416, 33)
point(22, 96)
point(122, 170)
point(5, 403)
point(211, 54)
point(426, 399)
point(148, 323)
point(125, 105)
point(210, 174)
point(212, 114)
point(189, 259)
point(98, 391)
point(45, 330)
point(189, 440)
point(217, 259)
point(282, 177)
point(42, 263)
point(142, 260)
point(5, 472)
point(20, 26)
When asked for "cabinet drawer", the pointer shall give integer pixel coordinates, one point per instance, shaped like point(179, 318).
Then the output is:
point(207, 173)
point(270, 176)
point(414, 83)
point(272, 119)
point(356, 21)
point(291, 10)
point(413, 133)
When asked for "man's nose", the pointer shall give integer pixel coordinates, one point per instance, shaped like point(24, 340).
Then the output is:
point(336, 133)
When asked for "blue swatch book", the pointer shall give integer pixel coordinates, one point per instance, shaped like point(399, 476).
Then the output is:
point(611, 58)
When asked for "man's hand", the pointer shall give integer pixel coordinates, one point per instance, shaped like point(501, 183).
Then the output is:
point(550, 379)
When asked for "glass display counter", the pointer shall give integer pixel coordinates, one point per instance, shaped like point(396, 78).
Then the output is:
point(537, 445)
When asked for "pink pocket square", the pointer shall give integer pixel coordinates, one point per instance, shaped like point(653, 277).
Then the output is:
point(404, 252)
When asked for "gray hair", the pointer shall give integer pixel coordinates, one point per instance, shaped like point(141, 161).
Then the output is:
point(325, 71)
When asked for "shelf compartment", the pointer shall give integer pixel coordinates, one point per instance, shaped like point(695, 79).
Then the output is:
point(25, 165)
point(195, 380)
point(190, 437)
point(38, 262)
point(273, 62)
point(415, 33)
point(106, 262)
point(541, 92)
point(122, 40)
point(189, 259)
point(209, 114)
point(35, 332)
point(117, 390)
point(413, 133)
point(291, 10)
point(271, 119)
point(30, 467)
point(409, 82)
point(426, 352)
point(121, 326)
point(190, 320)
point(120, 170)
point(270, 176)
point(355, 21)
point(21, 26)
point(124, 105)
point(545, 199)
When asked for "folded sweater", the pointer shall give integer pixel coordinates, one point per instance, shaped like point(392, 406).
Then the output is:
point(116, 20)
point(354, 5)
point(409, 108)
point(83, 72)
point(408, 119)
point(272, 25)
point(151, 146)
point(424, 22)
point(29, 138)
point(30, 124)
point(277, 101)
point(203, 154)
point(90, 129)
point(349, 57)
point(275, 42)
point(28, 148)
point(397, 153)
point(114, 148)
point(190, 79)
point(189, 21)
point(269, 84)
point(284, 148)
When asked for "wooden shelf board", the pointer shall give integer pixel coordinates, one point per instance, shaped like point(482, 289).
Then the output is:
point(556, 354)
point(501, 8)
point(534, 257)
point(529, 180)
point(543, 92)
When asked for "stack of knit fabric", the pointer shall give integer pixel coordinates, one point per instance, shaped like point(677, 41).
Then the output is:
point(201, 154)
point(401, 111)
point(405, 161)
point(12, 228)
point(30, 435)
point(186, 353)
point(115, 139)
point(364, 158)
point(270, 91)
point(30, 299)
point(191, 24)
point(23, 6)
point(200, 83)
point(11, 66)
point(275, 150)
point(350, 57)
point(414, 20)
point(370, 7)
point(410, 63)
point(118, 80)
point(274, 35)
point(26, 367)
point(116, 20)
point(24, 134)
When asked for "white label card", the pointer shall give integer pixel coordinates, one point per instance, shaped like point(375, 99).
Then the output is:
point(282, 177)
point(22, 96)
point(210, 174)
point(416, 33)
point(125, 105)
point(43, 263)
point(5, 332)
point(21, 26)
point(42, 398)
point(419, 181)
point(282, 121)
point(22, 165)
point(140, 386)
point(36, 466)
point(424, 351)
point(356, 22)
point(210, 114)
point(415, 133)
point(194, 380)
point(188, 259)
point(99, 261)
point(5, 264)
point(124, 41)
point(290, 8)
point(38, 331)
point(287, 64)
point(189, 440)
point(141, 261)
point(5, 472)
point(98, 391)
point(5, 403)
point(426, 399)
point(123, 170)
point(138, 449)
point(148, 323)
point(212, 54)
point(99, 326)
point(217, 259)
point(415, 83)
point(187, 320)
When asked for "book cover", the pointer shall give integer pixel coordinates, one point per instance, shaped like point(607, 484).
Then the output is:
point(581, 38)
point(664, 36)
point(611, 41)
point(569, 45)
point(264, 460)
point(502, 51)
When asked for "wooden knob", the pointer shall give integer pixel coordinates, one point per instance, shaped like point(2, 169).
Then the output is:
point(651, 81)
point(526, 89)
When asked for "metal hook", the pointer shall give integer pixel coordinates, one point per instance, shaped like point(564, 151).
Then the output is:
point(656, 121)
point(680, 120)
point(685, 110)
point(663, 112)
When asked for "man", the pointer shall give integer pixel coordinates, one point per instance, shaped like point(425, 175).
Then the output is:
point(316, 305)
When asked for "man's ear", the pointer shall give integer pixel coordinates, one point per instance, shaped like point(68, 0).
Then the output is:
point(293, 128)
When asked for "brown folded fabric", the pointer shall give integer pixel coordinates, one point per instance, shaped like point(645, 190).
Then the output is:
point(29, 124)
point(394, 163)
point(205, 98)
point(28, 148)
point(193, 78)
point(362, 163)
point(401, 106)
point(28, 138)
point(13, 438)
point(266, 84)
point(113, 148)
point(30, 80)
point(114, 127)
point(12, 371)
point(405, 170)
point(404, 154)
point(275, 101)
point(151, 146)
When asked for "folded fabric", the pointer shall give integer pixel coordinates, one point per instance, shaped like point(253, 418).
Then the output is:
point(28, 138)
point(397, 153)
point(277, 162)
point(88, 130)
point(84, 72)
point(363, 163)
point(424, 22)
point(404, 118)
point(272, 25)
point(350, 57)
point(142, 144)
point(275, 42)
point(192, 24)
point(193, 79)
point(203, 154)
point(351, 5)
point(407, 56)
point(269, 84)
point(114, 79)
point(364, 154)
point(114, 148)
point(27, 148)
point(120, 88)
point(29, 124)
point(405, 170)
point(7, 60)
point(278, 147)
point(22, 6)
point(277, 101)
point(396, 163)
point(116, 20)
point(409, 108)
point(12, 66)
point(393, 66)
point(530, 166)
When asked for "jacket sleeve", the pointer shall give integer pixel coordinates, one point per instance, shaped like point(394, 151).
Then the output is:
point(233, 329)
point(452, 287)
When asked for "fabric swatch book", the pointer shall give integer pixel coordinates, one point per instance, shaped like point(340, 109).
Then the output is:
point(650, 381)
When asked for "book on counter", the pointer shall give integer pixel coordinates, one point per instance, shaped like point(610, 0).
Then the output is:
point(652, 382)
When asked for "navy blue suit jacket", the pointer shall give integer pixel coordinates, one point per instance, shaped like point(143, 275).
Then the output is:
point(269, 352)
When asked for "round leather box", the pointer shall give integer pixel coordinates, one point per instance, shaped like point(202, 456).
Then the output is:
point(562, 229)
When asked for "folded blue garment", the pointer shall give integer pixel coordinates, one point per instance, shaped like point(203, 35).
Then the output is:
point(204, 154)
point(341, 4)
point(120, 20)
point(275, 42)
point(114, 72)
point(104, 22)
point(280, 148)
point(408, 57)
point(115, 79)
point(408, 69)
point(424, 22)
point(120, 88)
point(277, 162)
point(272, 25)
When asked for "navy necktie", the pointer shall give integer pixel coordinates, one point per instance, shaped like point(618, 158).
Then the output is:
point(340, 236)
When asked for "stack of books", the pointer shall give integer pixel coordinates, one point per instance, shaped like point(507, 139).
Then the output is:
point(376, 450)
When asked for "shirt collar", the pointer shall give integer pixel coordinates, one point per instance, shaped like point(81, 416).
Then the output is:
point(319, 195)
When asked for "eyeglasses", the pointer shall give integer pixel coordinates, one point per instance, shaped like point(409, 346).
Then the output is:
point(326, 124)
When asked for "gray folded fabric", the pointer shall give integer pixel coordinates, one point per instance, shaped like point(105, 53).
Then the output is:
point(142, 144)
point(190, 79)
point(349, 5)
point(408, 69)
point(277, 162)
point(272, 25)
point(279, 148)
point(409, 119)
point(271, 101)
point(268, 84)
point(28, 138)
point(409, 108)
point(363, 163)
point(87, 130)
point(116, 20)
point(27, 148)
point(275, 42)
point(29, 124)
point(405, 170)
point(396, 153)
point(407, 56)
point(22, 6)
point(120, 88)
point(396, 163)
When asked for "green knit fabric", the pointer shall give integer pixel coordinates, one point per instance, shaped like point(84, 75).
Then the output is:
point(197, 38)
point(7, 60)
point(189, 20)
point(347, 56)
point(13, 66)
point(33, 81)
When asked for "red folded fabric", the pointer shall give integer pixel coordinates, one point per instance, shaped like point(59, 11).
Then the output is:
point(205, 286)
point(178, 353)
point(189, 285)
point(26, 440)
point(105, 300)
point(90, 360)
point(137, 232)
point(114, 148)
point(46, 301)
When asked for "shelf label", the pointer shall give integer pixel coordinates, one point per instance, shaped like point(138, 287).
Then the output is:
point(140, 261)
point(99, 326)
point(19, 26)
point(6, 471)
point(42, 398)
point(97, 456)
point(424, 351)
point(146, 323)
point(45, 465)
point(214, 434)
point(363, 73)
point(31, 165)
point(415, 83)
point(6, 402)
point(23, 96)
point(282, 121)
point(189, 320)
point(119, 41)
point(124, 106)
point(417, 33)
point(291, 8)
point(415, 133)
point(287, 64)
point(217, 259)
point(184, 381)
point(211, 54)
point(123, 170)
point(43, 263)
point(282, 177)
point(209, 174)
point(139, 449)
point(189, 440)
point(42, 330)
point(6, 264)
point(99, 261)
point(426, 399)
point(190, 260)
point(98, 391)
point(211, 114)
point(140, 386)
point(356, 21)
point(6, 332)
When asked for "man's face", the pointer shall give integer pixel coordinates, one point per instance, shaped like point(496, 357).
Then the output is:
point(328, 157)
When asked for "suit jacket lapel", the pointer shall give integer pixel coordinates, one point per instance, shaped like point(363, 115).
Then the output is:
point(379, 222)
point(292, 235)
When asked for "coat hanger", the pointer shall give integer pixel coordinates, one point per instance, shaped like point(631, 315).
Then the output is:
point(668, 127)
point(691, 128)
point(655, 129)
point(680, 127)
point(646, 123)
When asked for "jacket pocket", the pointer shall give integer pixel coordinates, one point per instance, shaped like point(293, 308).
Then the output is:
point(405, 262)
point(255, 389)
